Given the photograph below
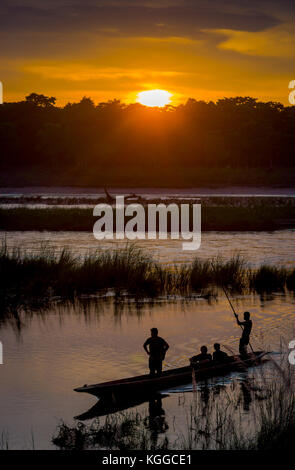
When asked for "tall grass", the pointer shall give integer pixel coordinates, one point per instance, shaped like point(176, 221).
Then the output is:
point(126, 431)
point(231, 273)
point(291, 280)
point(30, 278)
point(49, 273)
point(268, 278)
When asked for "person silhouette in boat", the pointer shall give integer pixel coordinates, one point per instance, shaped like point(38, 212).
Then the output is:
point(218, 355)
point(201, 358)
point(156, 348)
point(247, 327)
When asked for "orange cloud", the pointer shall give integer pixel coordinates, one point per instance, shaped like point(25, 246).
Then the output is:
point(276, 42)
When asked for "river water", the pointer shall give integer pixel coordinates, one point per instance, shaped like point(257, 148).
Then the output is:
point(52, 352)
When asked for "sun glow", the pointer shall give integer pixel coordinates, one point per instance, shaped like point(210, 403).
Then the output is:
point(158, 98)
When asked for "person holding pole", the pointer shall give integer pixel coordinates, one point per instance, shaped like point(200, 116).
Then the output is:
point(247, 327)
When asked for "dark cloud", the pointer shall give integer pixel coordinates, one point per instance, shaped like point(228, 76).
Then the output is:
point(134, 18)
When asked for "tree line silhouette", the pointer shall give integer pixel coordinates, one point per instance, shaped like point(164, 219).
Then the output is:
point(238, 132)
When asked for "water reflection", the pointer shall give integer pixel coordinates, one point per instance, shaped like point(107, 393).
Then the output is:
point(94, 306)
point(156, 421)
point(110, 405)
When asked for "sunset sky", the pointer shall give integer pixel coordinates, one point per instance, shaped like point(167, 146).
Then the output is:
point(110, 49)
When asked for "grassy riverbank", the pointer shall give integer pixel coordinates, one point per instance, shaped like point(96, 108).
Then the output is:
point(27, 277)
point(223, 218)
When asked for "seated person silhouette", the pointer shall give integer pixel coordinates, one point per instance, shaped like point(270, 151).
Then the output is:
point(202, 358)
point(218, 355)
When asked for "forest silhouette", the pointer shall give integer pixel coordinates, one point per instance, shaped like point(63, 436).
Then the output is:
point(84, 143)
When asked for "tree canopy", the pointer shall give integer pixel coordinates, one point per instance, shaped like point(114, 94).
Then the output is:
point(238, 132)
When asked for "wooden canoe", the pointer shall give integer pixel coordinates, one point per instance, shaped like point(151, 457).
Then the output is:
point(171, 378)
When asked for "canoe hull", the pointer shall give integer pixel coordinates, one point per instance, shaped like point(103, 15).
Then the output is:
point(171, 378)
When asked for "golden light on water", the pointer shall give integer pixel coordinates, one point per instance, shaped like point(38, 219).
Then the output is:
point(158, 98)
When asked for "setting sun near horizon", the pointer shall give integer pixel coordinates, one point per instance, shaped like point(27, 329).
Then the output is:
point(152, 98)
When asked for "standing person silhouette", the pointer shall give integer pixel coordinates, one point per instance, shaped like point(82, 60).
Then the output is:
point(247, 327)
point(156, 351)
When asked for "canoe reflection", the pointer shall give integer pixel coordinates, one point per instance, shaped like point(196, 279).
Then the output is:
point(108, 405)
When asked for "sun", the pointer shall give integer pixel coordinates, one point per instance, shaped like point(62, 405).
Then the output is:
point(158, 98)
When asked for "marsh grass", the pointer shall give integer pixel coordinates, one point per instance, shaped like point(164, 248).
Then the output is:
point(291, 280)
point(48, 273)
point(268, 278)
point(32, 280)
point(230, 273)
point(124, 431)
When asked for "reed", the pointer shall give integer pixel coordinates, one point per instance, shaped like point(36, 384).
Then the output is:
point(30, 279)
point(291, 280)
point(49, 273)
point(268, 278)
point(124, 431)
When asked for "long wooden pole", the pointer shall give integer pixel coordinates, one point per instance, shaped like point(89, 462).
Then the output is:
point(229, 301)
point(232, 307)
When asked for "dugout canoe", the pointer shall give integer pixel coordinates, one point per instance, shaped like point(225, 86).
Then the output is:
point(173, 377)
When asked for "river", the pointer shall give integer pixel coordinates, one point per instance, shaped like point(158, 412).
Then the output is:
point(52, 352)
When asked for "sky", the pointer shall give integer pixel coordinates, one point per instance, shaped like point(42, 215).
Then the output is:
point(114, 49)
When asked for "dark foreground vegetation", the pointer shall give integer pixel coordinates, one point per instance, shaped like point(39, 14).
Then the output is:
point(220, 424)
point(30, 278)
point(235, 140)
point(227, 218)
